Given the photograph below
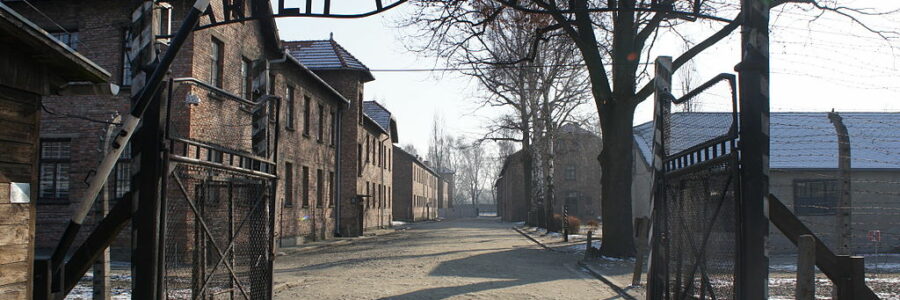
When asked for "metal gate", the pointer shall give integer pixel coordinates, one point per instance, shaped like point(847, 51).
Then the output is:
point(696, 202)
point(218, 204)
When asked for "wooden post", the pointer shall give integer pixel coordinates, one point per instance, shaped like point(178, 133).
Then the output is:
point(752, 263)
point(657, 279)
point(806, 268)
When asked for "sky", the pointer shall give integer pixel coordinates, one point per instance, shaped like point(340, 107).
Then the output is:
point(829, 63)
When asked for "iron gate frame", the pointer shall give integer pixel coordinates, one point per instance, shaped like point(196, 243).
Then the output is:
point(723, 149)
point(183, 151)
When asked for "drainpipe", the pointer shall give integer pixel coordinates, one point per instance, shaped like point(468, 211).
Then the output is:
point(337, 173)
point(384, 165)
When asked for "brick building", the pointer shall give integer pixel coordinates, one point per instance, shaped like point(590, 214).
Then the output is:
point(32, 65)
point(576, 177)
point(416, 188)
point(308, 140)
point(215, 70)
point(365, 173)
point(804, 172)
point(511, 203)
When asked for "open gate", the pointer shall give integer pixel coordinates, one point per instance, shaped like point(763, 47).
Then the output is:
point(696, 200)
point(218, 208)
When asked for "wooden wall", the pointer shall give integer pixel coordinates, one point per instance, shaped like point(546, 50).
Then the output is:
point(19, 117)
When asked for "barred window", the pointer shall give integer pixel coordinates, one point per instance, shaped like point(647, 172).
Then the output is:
point(321, 123)
point(815, 197)
point(54, 170)
point(246, 79)
point(122, 183)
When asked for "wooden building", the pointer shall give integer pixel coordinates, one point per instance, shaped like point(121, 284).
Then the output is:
point(33, 64)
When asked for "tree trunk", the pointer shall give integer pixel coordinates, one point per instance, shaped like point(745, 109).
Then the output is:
point(616, 161)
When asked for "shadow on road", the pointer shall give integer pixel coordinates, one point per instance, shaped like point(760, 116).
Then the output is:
point(515, 267)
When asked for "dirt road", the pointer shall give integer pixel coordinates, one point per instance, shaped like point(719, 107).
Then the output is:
point(462, 259)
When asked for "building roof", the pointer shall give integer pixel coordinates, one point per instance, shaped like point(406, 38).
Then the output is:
point(65, 62)
point(417, 160)
point(799, 140)
point(326, 55)
point(382, 117)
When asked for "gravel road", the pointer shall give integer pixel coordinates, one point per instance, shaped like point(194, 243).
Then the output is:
point(459, 259)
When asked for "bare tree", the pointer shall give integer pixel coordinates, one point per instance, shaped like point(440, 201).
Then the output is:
point(613, 38)
point(472, 170)
point(411, 149)
point(440, 144)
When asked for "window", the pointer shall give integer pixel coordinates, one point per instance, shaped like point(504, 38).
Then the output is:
point(331, 189)
point(216, 61)
point(359, 166)
point(305, 187)
point(321, 123)
point(126, 64)
point(69, 38)
point(569, 173)
point(815, 197)
point(368, 146)
point(320, 188)
point(288, 185)
point(306, 108)
point(246, 79)
point(122, 183)
point(54, 168)
point(334, 128)
point(572, 203)
point(289, 95)
point(360, 108)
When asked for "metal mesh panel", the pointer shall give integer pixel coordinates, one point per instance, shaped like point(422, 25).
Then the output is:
point(701, 219)
point(218, 205)
point(216, 234)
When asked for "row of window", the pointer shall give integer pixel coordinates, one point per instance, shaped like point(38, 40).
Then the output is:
point(323, 196)
point(326, 123)
point(420, 201)
point(380, 196)
point(424, 177)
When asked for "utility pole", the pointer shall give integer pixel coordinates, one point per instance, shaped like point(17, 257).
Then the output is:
point(752, 263)
point(843, 212)
point(101, 266)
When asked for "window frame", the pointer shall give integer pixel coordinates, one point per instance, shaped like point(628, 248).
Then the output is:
point(288, 185)
point(247, 78)
point(306, 114)
point(56, 162)
point(805, 209)
point(305, 184)
point(290, 115)
point(216, 62)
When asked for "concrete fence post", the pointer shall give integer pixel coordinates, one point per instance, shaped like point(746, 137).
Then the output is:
point(806, 268)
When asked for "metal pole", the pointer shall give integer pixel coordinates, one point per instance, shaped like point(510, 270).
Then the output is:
point(101, 266)
point(751, 278)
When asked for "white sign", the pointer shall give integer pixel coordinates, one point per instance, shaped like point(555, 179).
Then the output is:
point(19, 192)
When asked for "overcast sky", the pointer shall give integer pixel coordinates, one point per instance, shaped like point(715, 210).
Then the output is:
point(816, 66)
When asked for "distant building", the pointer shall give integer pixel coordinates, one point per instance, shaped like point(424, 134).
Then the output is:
point(364, 175)
point(416, 188)
point(32, 65)
point(803, 170)
point(576, 178)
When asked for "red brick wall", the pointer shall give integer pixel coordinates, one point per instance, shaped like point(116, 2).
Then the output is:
point(314, 221)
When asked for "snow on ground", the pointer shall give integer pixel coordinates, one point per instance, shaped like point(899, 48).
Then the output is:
point(397, 223)
point(582, 247)
point(121, 288)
